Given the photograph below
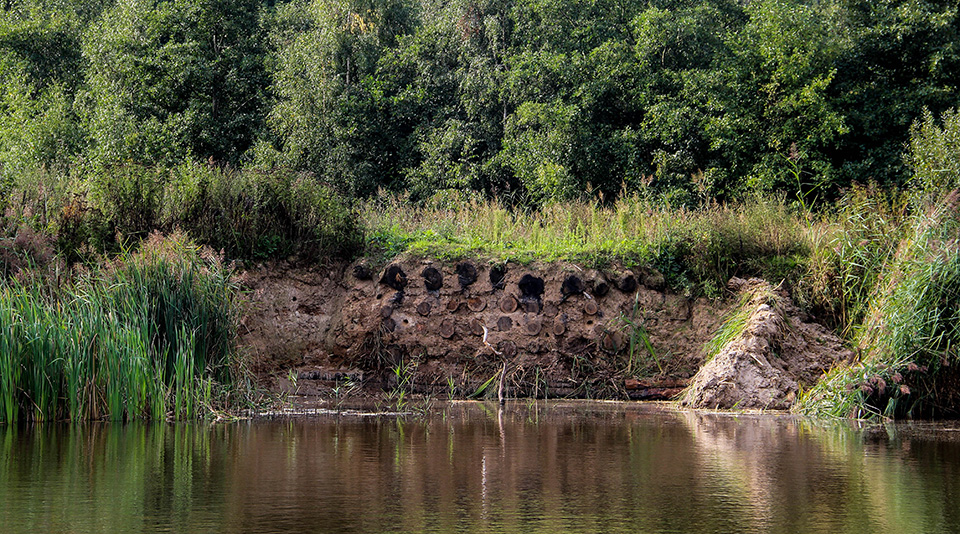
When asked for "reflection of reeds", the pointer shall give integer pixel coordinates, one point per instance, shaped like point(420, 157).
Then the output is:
point(151, 334)
point(901, 488)
point(97, 477)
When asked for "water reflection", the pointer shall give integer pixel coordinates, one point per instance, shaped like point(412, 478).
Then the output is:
point(561, 467)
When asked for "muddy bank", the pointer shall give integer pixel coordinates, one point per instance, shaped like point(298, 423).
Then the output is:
point(448, 328)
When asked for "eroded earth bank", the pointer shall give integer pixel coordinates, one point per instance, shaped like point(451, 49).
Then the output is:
point(559, 330)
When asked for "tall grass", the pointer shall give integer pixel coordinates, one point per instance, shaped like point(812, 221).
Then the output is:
point(695, 250)
point(260, 214)
point(638, 343)
point(146, 336)
point(849, 252)
point(910, 333)
point(734, 324)
point(249, 214)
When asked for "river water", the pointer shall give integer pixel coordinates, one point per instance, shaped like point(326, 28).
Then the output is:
point(470, 467)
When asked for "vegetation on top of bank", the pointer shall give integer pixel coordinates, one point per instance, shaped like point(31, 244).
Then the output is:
point(696, 250)
point(249, 214)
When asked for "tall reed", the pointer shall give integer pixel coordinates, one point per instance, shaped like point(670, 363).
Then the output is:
point(911, 331)
point(143, 337)
point(908, 342)
point(850, 253)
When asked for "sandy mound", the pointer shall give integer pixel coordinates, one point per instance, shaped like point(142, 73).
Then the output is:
point(770, 354)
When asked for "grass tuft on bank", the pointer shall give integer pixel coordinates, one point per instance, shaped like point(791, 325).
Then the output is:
point(696, 250)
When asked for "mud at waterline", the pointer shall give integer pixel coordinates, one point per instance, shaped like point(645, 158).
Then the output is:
point(449, 328)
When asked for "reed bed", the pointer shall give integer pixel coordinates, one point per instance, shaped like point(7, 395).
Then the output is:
point(849, 253)
point(695, 249)
point(149, 337)
point(908, 339)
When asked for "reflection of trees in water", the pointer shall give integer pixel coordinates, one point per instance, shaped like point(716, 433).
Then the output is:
point(530, 469)
point(790, 468)
point(577, 467)
point(908, 473)
point(778, 471)
point(734, 457)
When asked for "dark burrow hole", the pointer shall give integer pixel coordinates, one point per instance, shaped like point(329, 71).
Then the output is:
point(432, 279)
point(466, 273)
point(531, 286)
point(498, 275)
point(394, 277)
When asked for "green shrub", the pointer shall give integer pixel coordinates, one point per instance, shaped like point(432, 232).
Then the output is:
point(127, 198)
point(260, 215)
point(247, 215)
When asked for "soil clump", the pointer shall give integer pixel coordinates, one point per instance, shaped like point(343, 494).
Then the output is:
point(769, 358)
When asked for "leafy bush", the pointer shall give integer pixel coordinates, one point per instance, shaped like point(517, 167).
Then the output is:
point(247, 215)
point(40, 70)
point(173, 79)
point(260, 215)
point(127, 198)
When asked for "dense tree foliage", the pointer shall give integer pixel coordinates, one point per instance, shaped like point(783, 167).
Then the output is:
point(41, 70)
point(167, 80)
point(530, 100)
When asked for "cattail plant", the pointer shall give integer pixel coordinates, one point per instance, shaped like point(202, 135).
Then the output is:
point(148, 336)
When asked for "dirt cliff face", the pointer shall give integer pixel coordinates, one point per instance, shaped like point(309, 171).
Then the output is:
point(448, 327)
point(288, 315)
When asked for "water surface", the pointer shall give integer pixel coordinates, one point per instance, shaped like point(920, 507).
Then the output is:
point(470, 467)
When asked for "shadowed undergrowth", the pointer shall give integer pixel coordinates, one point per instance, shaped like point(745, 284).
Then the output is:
point(248, 214)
